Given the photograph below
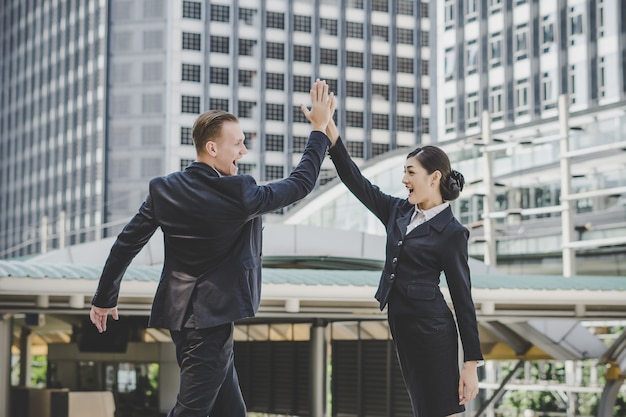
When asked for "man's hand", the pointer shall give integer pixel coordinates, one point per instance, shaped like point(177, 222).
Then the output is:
point(468, 382)
point(98, 316)
point(320, 113)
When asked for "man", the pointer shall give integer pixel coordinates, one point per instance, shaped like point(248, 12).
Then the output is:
point(211, 222)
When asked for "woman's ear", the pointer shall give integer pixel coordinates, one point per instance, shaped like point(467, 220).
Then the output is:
point(436, 175)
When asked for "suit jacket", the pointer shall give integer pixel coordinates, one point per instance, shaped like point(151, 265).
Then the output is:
point(212, 232)
point(413, 263)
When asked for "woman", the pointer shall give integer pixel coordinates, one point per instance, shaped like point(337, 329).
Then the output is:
point(423, 239)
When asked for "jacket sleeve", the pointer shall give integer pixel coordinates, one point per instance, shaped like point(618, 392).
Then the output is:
point(261, 199)
point(129, 242)
point(370, 195)
point(456, 269)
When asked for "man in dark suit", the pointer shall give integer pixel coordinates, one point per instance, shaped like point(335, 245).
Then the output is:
point(211, 222)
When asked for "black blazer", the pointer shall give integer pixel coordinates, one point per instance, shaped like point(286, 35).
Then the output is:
point(212, 232)
point(413, 262)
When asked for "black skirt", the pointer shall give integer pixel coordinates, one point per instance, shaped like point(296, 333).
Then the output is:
point(427, 350)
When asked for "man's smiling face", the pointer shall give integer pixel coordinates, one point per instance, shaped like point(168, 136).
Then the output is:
point(229, 148)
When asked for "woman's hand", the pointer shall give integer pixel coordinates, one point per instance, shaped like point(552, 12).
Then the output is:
point(322, 106)
point(98, 316)
point(468, 382)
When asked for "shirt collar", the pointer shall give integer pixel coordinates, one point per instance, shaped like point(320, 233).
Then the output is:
point(432, 212)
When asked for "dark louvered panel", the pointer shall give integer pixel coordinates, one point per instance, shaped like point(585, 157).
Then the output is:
point(303, 379)
point(261, 367)
point(345, 378)
point(374, 380)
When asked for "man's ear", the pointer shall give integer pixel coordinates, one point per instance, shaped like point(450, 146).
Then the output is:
point(210, 148)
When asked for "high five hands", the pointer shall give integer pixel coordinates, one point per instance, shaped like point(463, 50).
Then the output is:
point(322, 108)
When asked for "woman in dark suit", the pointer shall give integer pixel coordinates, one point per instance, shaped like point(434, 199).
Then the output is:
point(423, 239)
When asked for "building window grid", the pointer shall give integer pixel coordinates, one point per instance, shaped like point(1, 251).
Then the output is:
point(354, 119)
point(301, 53)
point(380, 121)
point(450, 116)
point(521, 42)
point(329, 26)
point(471, 118)
point(521, 97)
point(407, 95)
point(355, 148)
point(245, 169)
point(275, 143)
point(190, 104)
point(298, 116)
point(601, 76)
point(246, 47)
point(425, 66)
point(379, 148)
point(380, 62)
point(299, 143)
point(380, 91)
point(249, 138)
point(302, 23)
point(548, 96)
point(273, 172)
point(274, 112)
point(328, 56)
point(246, 77)
point(380, 33)
point(219, 104)
point(274, 81)
point(547, 33)
point(184, 163)
point(354, 30)
point(219, 75)
point(220, 44)
point(600, 16)
point(275, 20)
point(301, 83)
point(495, 103)
point(275, 50)
point(220, 13)
point(192, 41)
point(247, 15)
point(380, 5)
point(245, 109)
point(471, 63)
point(405, 36)
point(405, 65)
point(192, 10)
point(495, 50)
point(448, 14)
point(191, 72)
point(186, 137)
point(354, 89)
point(471, 10)
point(425, 125)
point(405, 7)
point(575, 25)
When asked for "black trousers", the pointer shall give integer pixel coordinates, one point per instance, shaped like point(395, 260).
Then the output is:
point(208, 380)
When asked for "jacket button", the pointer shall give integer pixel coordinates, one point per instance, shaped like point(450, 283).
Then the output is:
point(394, 260)
point(392, 276)
point(399, 243)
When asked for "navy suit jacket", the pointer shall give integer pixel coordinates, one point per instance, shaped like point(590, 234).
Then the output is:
point(413, 263)
point(212, 232)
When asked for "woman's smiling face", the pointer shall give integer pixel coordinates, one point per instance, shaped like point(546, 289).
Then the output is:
point(423, 187)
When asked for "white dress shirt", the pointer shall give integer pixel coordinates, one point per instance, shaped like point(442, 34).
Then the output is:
point(422, 216)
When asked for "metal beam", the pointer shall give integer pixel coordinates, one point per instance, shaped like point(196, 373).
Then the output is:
point(498, 393)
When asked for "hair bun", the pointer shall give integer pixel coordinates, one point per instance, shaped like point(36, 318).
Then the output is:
point(456, 181)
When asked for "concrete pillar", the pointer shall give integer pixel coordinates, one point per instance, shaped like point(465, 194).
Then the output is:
point(490, 256)
point(5, 363)
point(26, 357)
point(567, 219)
point(318, 368)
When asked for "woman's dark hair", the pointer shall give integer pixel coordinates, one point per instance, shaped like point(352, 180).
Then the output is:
point(434, 159)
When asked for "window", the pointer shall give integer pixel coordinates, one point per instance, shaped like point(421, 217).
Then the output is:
point(302, 83)
point(328, 56)
point(424, 9)
point(547, 33)
point(302, 53)
point(380, 33)
point(471, 64)
point(425, 64)
point(495, 50)
point(380, 62)
point(471, 10)
point(405, 7)
point(521, 42)
point(548, 91)
point(575, 23)
point(151, 135)
point(220, 44)
point(218, 104)
point(425, 125)
point(450, 115)
point(152, 71)
point(249, 139)
point(184, 163)
point(354, 119)
point(602, 76)
point(354, 30)
point(275, 143)
point(471, 118)
point(273, 172)
point(448, 14)
point(380, 91)
point(152, 40)
point(302, 23)
point(191, 73)
point(332, 85)
point(274, 81)
point(355, 148)
point(244, 169)
point(354, 89)
point(274, 112)
point(449, 61)
point(275, 20)
point(190, 104)
point(247, 16)
point(151, 103)
point(328, 26)
point(246, 47)
point(354, 59)
point(191, 41)
point(299, 143)
point(379, 148)
point(405, 65)
point(405, 94)
point(355, 4)
point(298, 116)
point(220, 13)
point(572, 83)
point(404, 36)
point(380, 5)
point(424, 39)
point(425, 96)
point(275, 50)
point(495, 103)
point(380, 121)
point(218, 75)
point(246, 77)
point(192, 10)
point(601, 18)
point(245, 109)
point(521, 97)
point(186, 137)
